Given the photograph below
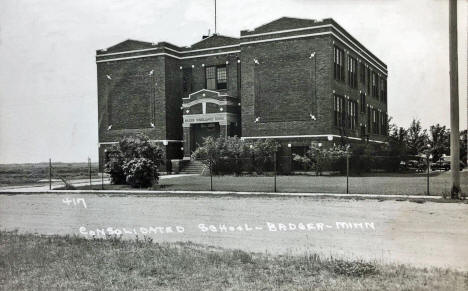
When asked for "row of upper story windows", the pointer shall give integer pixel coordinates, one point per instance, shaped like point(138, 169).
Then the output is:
point(346, 115)
point(375, 84)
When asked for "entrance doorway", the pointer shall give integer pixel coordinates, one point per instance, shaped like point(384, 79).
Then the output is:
point(201, 131)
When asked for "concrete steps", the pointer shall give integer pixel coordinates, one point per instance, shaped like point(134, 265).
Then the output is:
point(193, 167)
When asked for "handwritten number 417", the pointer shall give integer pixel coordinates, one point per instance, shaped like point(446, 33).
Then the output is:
point(75, 202)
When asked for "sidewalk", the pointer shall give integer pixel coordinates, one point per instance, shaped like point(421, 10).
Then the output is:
point(183, 193)
point(56, 183)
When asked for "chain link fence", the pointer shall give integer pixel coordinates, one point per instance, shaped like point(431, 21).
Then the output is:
point(351, 174)
point(354, 174)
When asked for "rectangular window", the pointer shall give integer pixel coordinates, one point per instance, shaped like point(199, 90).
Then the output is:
point(338, 68)
point(386, 123)
point(369, 117)
point(339, 111)
point(210, 75)
point(375, 121)
point(383, 123)
point(354, 117)
point(368, 80)
point(345, 113)
point(351, 115)
point(221, 77)
point(363, 102)
point(216, 77)
point(375, 85)
point(362, 73)
point(239, 80)
point(352, 73)
point(383, 90)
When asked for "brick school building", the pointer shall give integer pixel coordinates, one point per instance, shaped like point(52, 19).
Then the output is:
point(293, 80)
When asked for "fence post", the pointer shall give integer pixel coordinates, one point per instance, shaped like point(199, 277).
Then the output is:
point(428, 170)
point(50, 174)
point(102, 179)
point(275, 160)
point(347, 171)
point(89, 166)
point(211, 176)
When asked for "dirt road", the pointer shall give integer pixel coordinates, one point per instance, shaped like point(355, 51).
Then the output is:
point(429, 234)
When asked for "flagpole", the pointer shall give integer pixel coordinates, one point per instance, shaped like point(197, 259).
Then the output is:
point(215, 18)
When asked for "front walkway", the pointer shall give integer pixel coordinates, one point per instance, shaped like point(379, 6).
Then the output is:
point(56, 183)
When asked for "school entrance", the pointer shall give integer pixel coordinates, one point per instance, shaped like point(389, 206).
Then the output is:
point(201, 131)
point(208, 113)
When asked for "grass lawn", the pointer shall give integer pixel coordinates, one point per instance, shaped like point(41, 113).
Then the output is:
point(62, 262)
point(378, 184)
point(22, 174)
point(406, 184)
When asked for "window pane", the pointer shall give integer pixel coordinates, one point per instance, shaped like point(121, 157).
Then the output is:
point(221, 77)
point(211, 84)
point(210, 72)
point(210, 78)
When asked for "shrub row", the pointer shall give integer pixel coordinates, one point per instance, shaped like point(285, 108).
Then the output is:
point(231, 155)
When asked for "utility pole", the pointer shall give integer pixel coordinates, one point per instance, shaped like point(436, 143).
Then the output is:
point(454, 105)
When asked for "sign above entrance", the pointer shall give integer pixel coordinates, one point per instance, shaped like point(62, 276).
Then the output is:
point(222, 118)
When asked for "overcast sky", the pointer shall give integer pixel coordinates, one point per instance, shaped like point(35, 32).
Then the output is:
point(48, 99)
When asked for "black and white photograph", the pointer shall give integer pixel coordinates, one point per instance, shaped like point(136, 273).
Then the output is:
point(233, 145)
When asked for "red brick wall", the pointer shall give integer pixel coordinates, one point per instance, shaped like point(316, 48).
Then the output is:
point(119, 97)
point(289, 104)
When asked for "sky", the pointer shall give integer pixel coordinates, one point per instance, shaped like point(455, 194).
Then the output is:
point(48, 87)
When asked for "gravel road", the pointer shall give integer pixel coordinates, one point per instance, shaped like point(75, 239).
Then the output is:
point(427, 234)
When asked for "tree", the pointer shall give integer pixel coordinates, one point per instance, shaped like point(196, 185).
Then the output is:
point(236, 151)
point(222, 155)
point(114, 165)
point(141, 172)
point(263, 152)
point(209, 153)
point(135, 161)
point(315, 158)
point(417, 138)
point(439, 139)
point(463, 145)
point(397, 142)
point(320, 158)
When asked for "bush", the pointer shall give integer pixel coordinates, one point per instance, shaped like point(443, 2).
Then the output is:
point(114, 166)
point(222, 155)
point(353, 269)
point(209, 153)
point(236, 151)
point(263, 154)
point(134, 161)
point(141, 172)
point(232, 155)
point(361, 159)
point(314, 159)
